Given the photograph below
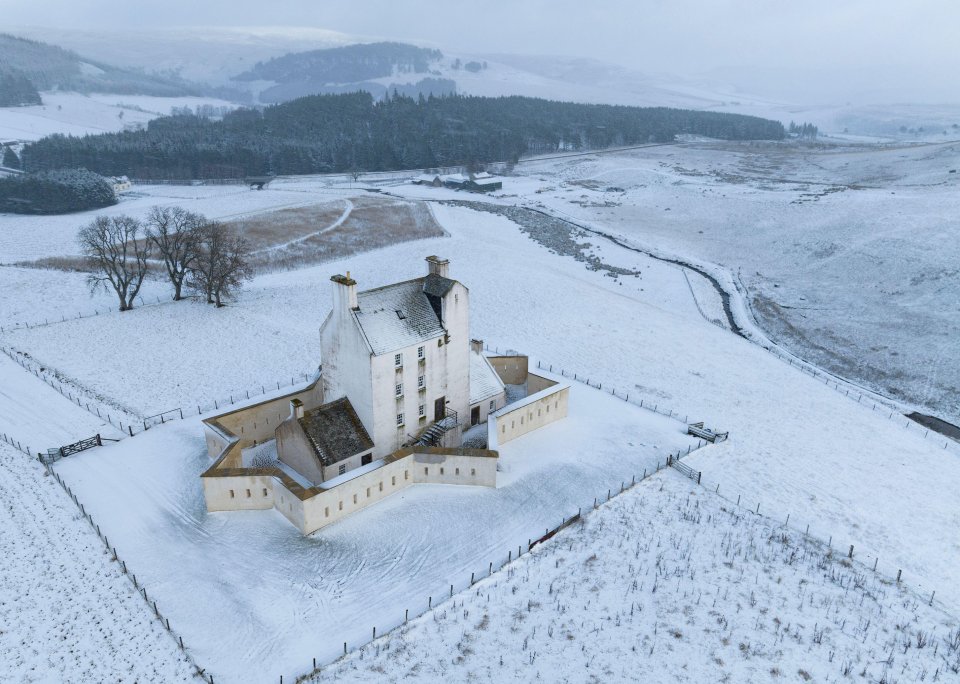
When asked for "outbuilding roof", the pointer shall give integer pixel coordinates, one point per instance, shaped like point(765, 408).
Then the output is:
point(402, 314)
point(335, 431)
point(484, 381)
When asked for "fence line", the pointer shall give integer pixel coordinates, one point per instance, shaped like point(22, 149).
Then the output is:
point(619, 394)
point(848, 550)
point(139, 587)
point(26, 325)
point(135, 423)
point(495, 566)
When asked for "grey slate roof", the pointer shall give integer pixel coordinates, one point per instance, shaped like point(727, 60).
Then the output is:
point(417, 321)
point(335, 431)
point(484, 381)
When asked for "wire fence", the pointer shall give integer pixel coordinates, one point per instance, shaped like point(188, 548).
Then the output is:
point(447, 592)
point(129, 424)
point(138, 586)
point(64, 317)
point(891, 572)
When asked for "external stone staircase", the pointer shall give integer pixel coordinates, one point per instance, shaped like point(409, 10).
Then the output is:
point(433, 435)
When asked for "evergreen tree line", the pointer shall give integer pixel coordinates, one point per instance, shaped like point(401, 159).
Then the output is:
point(805, 130)
point(352, 132)
point(17, 90)
point(55, 192)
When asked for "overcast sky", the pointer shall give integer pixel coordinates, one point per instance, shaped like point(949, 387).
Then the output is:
point(918, 38)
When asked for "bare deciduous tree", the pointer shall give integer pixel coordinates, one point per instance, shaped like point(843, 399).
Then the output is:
point(222, 265)
point(176, 233)
point(118, 252)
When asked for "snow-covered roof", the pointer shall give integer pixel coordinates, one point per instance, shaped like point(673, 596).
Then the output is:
point(454, 178)
point(401, 315)
point(335, 431)
point(484, 381)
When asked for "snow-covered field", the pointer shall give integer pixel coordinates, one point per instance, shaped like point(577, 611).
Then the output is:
point(265, 601)
point(850, 255)
point(796, 446)
point(67, 613)
point(669, 583)
point(78, 114)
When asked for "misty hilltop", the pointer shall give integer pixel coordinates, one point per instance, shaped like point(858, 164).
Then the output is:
point(370, 67)
point(48, 67)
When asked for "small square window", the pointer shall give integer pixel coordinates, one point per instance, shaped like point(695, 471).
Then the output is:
point(441, 470)
point(381, 486)
point(231, 493)
point(354, 498)
point(426, 471)
point(340, 505)
point(421, 381)
point(422, 410)
point(493, 405)
point(419, 352)
point(399, 389)
point(399, 419)
point(265, 491)
point(326, 512)
point(440, 342)
point(457, 471)
point(248, 493)
point(342, 469)
point(503, 429)
point(368, 492)
point(548, 408)
point(398, 360)
point(406, 474)
point(473, 471)
point(393, 481)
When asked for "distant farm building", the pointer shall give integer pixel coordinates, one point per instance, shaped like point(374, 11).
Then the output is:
point(478, 182)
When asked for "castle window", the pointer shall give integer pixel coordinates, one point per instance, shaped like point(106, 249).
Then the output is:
point(399, 389)
point(342, 469)
point(399, 419)
point(420, 352)
point(398, 360)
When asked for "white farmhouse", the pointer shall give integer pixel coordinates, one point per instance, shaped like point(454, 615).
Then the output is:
point(400, 382)
point(398, 366)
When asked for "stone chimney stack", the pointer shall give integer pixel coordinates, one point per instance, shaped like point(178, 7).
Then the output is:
point(344, 293)
point(440, 267)
point(296, 409)
point(476, 346)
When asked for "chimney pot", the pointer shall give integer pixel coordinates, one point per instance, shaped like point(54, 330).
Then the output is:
point(438, 266)
point(344, 292)
point(296, 409)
